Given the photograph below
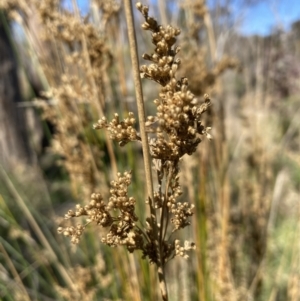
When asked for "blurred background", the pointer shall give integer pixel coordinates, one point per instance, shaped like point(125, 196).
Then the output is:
point(65, 64)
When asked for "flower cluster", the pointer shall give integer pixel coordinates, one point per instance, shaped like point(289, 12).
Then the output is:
point(177, 121)
point(182, 251)
point(121, 131)
point(122, 226)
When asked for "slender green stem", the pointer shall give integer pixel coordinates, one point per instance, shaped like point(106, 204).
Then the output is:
point(145, 145)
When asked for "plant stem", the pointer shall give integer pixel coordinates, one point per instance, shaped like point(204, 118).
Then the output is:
point(145, 145)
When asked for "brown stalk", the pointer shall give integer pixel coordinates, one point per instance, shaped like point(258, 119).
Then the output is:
point(211, 35)
point(145, 145)
point(162, 11)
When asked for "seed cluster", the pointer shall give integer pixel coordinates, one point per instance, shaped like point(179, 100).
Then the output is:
point(178, 114)
point(181, 212)
point(181, 251)
point(163, 64)
point(122, 230)
point(179, 125)
point(121, 131)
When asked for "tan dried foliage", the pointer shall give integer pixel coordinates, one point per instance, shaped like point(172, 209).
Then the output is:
point(73, 57)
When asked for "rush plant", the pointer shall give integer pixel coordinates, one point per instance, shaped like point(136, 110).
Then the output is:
point(174, 131)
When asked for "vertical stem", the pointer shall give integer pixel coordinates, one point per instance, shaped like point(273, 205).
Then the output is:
point(162, 11)
point(211, 35)
point(145, 145)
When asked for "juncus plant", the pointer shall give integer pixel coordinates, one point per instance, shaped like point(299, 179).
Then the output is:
point(174, 131)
